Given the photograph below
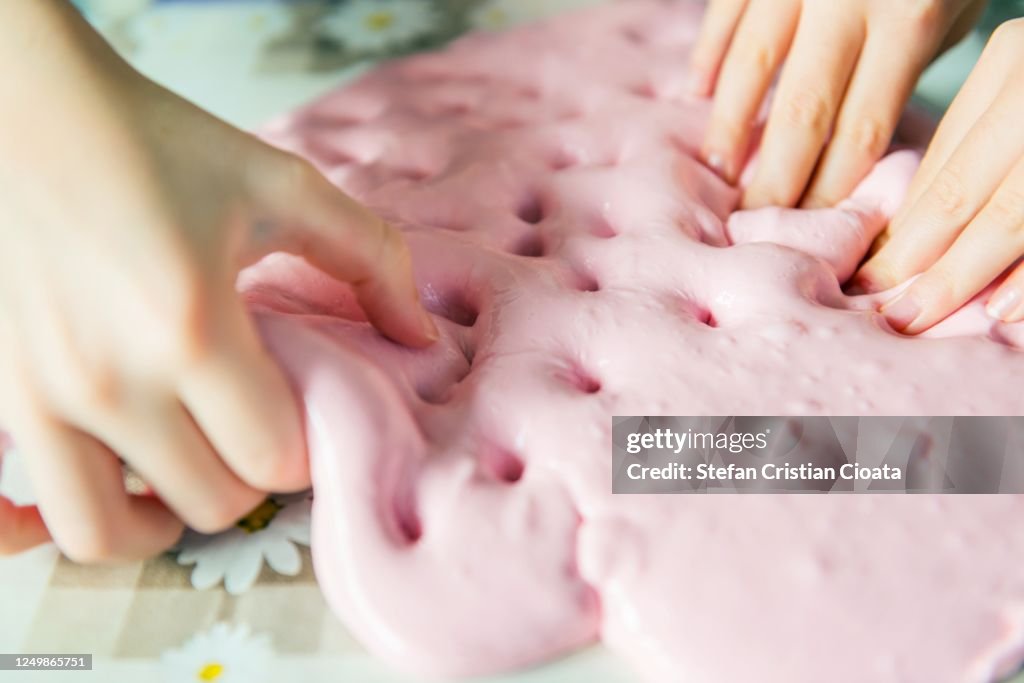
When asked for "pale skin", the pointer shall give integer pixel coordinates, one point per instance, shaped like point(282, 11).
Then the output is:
point(126, 214)
point(846, 69)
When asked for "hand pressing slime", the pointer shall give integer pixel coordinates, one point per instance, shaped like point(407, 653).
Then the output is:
point(581, 263)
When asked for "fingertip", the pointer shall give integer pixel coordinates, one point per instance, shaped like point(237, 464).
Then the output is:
point(698, 84)
point(1005, 305)
point(719, 163)
point(700, 81)
point(278, 461)
point(412, 326)
point(161, 528)
point(21, 528)
point(904, 312)
point(429, 328)
point(873, 277)
point(718, 151)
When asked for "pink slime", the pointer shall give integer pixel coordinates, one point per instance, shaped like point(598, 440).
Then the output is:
point(577, 258)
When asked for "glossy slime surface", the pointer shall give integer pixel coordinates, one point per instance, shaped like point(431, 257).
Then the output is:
point(582, 264)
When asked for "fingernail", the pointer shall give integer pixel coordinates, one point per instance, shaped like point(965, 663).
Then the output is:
point(716, 162)
point(429, 326)
point(902, 312)
point(1005, 303)
point(863, 284)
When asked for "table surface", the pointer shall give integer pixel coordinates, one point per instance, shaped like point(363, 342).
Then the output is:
point(248, 61)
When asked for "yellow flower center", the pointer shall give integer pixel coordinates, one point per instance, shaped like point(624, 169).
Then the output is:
point(210, 672)
point(497, 17)
point(379, 21)
point(259, 519)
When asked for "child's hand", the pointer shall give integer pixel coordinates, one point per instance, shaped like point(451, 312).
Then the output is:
point(125, 215)
point(962, 224)
point(850, 68)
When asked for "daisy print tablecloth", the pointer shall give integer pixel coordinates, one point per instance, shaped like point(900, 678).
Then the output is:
point(238, 607)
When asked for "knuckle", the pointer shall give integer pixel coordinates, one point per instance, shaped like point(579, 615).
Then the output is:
point(1007, 211)
point(923, 16)
point(274, 171)
point(94, 387)
point(945, 284)
point(94, 543)
point(187, 335)
point(266, 472)
point(1009, 34)
point(190, 348)
point(218, 515)
point(806, 109)
point(884, 272)
point(869, 137)
point(294, 173)
point(949, 194)
point(760, 60)
point(224, 512)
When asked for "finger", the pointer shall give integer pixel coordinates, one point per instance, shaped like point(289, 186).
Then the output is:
point(813, 82)
point(21, 527)
point(717, 28)
point(962, 24)
point(958, 192)
point(871, 109)
point(979, 91)
point(80, 492)
point(762, 40)
point(166, 448)
point(1007, 302)
point(988, 246)
point(245, 406)
point(336, 234)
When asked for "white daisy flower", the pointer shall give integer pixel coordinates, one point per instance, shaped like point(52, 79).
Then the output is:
point(270, 532)
point(372, 25)
point(224, 654)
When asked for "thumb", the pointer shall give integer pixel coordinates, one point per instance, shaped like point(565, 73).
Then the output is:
point(309, 217)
